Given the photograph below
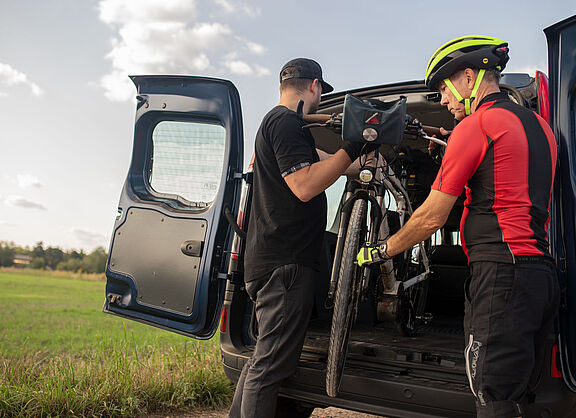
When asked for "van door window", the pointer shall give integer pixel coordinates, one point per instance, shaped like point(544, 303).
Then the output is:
point(187, 160)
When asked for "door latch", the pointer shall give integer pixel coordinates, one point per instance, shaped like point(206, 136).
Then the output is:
point(192, 248)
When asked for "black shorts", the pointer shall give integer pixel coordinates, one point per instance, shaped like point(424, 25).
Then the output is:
point(510, 312)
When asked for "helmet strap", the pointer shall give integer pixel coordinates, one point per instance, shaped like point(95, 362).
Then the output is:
point(467, 102)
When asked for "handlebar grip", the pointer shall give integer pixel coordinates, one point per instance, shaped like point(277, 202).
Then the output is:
point(316, 118)
point(433, 130)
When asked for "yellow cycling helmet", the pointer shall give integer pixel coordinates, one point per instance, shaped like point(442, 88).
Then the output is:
point(472, 51)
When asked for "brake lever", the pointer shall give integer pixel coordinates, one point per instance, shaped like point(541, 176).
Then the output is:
point(415, 127)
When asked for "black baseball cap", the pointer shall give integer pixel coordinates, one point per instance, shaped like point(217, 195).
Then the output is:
point(305, 68)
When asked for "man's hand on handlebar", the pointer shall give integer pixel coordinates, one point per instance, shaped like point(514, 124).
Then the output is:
point(355, 149)
point(356, 165)
point(362, 161)
point(435, 150)
point(433, 144)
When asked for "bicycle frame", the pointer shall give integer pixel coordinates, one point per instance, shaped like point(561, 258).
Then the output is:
point(382, 181)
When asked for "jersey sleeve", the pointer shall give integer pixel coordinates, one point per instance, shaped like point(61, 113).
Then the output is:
point(466, 149)
point(291, 147)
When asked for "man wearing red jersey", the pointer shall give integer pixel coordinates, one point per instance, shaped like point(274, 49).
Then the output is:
point(505, 156)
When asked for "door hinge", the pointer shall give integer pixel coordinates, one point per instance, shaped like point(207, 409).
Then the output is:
point(218, 275)
point(234, 175)
point(238, 175)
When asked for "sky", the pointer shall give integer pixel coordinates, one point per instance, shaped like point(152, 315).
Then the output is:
point(67, 105)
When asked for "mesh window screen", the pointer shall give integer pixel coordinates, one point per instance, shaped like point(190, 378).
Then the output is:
point(187, 159)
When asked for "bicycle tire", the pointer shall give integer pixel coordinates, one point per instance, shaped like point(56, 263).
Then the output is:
point(345, 300)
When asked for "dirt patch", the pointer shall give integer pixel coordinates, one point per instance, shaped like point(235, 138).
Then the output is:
point(339, 413)
point(196, 413)
point(223, 413)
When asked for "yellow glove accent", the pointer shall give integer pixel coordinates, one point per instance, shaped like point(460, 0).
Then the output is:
point(366, 256)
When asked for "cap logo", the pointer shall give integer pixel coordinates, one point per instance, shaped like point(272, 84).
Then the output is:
point(485, 60)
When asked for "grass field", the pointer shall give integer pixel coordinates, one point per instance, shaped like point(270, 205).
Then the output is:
point(61, 356)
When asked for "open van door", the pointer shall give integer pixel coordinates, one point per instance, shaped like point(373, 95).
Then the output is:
point(562, 89)
point(170, 242)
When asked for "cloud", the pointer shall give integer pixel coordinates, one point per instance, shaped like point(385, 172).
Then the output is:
point(27, 180)
point(239, 67)
point(255, 48)
point(9, 77)
point(21, 202)
point(261, 71)
point(236, 7)
point(126, 11)
point(166, 37)
point(90, 239)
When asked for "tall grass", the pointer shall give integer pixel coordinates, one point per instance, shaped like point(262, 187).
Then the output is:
point(117, 380)
point(114, 368)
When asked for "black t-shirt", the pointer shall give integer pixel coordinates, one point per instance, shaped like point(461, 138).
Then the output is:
point(282, 229)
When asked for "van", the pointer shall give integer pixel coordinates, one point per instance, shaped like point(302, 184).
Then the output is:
point(177, 246)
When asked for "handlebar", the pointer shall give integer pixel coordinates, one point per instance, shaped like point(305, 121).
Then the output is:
point(433, 130)
point(316, 118)
point(413, 126)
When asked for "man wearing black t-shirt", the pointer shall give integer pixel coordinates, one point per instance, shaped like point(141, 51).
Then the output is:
point(285, 230)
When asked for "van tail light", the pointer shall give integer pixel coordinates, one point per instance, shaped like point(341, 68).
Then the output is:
point(542, 90)
point(555, 366)
point(224, 320)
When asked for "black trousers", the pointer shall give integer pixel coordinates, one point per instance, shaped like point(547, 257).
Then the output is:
point(283, 302)
point(510, 310)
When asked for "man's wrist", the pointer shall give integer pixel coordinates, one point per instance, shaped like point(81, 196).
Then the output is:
point(383, 251)
point(353, 149)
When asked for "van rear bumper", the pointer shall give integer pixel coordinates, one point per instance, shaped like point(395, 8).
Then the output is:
point(369, 391)
point(392, 393)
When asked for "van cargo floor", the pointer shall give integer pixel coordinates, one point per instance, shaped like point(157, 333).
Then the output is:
point(435, 344)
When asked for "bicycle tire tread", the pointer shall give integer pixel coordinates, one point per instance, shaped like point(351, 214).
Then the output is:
point(344, 300)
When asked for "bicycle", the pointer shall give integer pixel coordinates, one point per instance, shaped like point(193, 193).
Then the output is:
point(402, 288)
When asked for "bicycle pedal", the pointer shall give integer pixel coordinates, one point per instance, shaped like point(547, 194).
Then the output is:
point(426, 318)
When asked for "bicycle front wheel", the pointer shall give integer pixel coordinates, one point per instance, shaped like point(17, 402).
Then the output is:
point(345, 300)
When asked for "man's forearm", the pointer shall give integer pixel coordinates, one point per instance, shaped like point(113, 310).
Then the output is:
point(425, 220)
point(416, 230)
point(310, 181)
point(354, 168)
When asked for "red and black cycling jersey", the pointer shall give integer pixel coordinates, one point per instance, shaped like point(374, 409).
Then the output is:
point(506, 156)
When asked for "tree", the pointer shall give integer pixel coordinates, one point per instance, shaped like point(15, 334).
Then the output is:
point(95, 262)
point(6, 255)
point(38, 250)
point(53, 256)
point(37, 263)
point(72, 264)
point(75, 254)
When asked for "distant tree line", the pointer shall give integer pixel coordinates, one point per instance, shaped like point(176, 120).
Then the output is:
point(53, 258)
